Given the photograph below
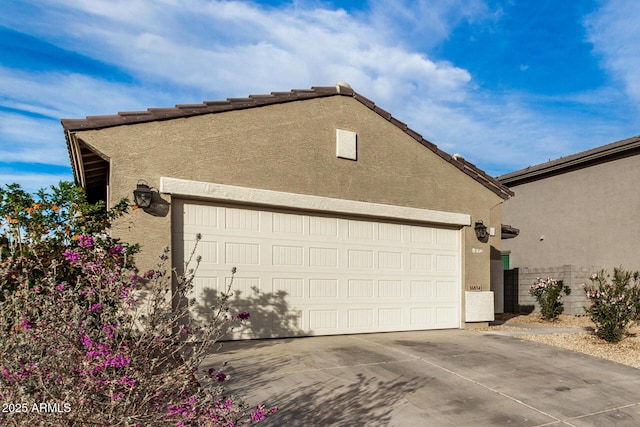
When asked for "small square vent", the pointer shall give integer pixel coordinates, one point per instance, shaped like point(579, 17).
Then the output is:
point(346, 144)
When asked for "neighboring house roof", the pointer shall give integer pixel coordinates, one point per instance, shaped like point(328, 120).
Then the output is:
point(95, 169)
point(606, 153)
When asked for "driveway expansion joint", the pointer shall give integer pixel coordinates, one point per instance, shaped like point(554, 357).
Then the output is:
point(591, 414)
point(479, 384)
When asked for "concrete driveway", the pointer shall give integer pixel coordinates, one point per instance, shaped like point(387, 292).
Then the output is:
point(429, 378)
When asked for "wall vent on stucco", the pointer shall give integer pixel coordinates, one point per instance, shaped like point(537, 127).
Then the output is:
point(346, 144)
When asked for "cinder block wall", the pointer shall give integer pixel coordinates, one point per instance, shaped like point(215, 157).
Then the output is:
point(573, 276)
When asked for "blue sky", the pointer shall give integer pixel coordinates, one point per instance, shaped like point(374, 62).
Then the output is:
point(505, 83)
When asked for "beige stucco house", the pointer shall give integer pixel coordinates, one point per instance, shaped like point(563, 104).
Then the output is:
point(576, 214)
point(337, 216)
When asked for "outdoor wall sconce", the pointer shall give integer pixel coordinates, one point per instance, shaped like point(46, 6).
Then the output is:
point(481, 231)
point(142, 195)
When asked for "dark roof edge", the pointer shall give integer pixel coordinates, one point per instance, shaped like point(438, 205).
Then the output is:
point(74, 157)
point(469, 168)
point(211, 107)
point(207, 107)
point(606, 153)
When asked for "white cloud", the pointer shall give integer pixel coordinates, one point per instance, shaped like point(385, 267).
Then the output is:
point(503, 132)
point(432, 20)
point(614, 30)
point(31, 140)
point(63, 95)
point(238, 48)
point(182, 52)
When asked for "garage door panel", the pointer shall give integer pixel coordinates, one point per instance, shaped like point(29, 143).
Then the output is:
point(421, 235)
point(199, 216)
point(208, 251)
point(390, 260)
point(242, 219)
point(390, 232)
point(323, 258)
point(323, 289)
point(446, 238)
point(245, 286)
point(421, 289)
point(389, 289)
point(287, 224)
point(390, 318)
point(446, 316)
point(420, 262)
point(282, 255)
point(307, 274)
point(361, 259)
point(445, 290)
point(362, 288)
point(241, 253)
point(292, 287)
point(291, 324)
point(323, 227)
point(205, 285)
point(421, 317)
point(323, 320)
point(360, 230)
point(360, 318)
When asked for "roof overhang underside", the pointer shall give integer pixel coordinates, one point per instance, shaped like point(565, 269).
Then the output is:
point(509, 232)
point(90, 169)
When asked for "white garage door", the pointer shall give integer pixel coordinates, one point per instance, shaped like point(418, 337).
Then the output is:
point(309, 274)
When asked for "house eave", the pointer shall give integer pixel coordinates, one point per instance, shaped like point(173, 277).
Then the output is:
point(210, 107)
point(614, 151)
point(76, 158)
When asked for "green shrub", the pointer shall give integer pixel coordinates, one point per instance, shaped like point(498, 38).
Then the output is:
point(614, 302)
point(548, 292)
point(36, 230)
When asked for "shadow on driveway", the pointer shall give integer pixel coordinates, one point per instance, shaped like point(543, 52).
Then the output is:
point(429, 378)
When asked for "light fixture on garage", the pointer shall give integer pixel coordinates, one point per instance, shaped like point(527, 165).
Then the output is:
point(481, 231)
point(142, 195)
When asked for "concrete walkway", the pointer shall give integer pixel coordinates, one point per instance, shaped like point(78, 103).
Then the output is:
point(535, 329)
point(430, 378)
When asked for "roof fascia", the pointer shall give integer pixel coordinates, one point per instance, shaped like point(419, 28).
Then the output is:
point(617, 150)
point(253, 101)
point(73, 146)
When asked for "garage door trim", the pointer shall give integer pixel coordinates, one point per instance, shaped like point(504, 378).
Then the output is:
point(279, 199)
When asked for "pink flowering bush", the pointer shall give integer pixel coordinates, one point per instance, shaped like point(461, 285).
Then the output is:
point(86, 340)
point(548, 292)
point(614, 302)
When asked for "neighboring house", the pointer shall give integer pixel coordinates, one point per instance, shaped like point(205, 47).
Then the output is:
point(576, 215)
point(338, 217)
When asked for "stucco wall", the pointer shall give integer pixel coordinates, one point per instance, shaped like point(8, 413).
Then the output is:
point(583, 218)
point(571, 275)
point(292, 148)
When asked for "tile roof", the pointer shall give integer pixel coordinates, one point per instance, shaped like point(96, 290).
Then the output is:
point(253, 101)
point(606, 153)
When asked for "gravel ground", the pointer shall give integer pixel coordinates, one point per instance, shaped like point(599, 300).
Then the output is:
point(626, 352)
